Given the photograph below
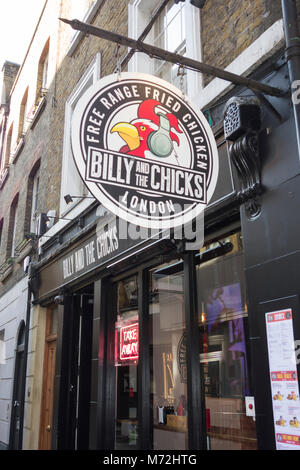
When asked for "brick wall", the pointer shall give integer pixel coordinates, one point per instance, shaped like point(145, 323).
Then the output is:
point(112, 16)
point(36, 142)
point(228, 28)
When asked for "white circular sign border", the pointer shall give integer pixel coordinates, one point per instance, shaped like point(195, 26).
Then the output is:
point(76, 144)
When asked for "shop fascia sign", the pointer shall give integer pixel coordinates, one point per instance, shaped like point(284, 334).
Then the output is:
point(144, 150)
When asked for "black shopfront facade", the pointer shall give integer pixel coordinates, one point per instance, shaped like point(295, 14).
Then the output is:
point(158, 347)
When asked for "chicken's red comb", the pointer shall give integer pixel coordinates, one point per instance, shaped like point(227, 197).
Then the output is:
point(146, 111)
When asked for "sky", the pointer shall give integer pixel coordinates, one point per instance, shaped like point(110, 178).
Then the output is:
point(18, 19)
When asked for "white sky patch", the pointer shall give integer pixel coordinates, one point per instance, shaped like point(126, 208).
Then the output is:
point(18, 19)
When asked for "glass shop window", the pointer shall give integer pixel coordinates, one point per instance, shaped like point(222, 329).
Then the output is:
point(224, 358)
point(126, 362)
point(168, 373)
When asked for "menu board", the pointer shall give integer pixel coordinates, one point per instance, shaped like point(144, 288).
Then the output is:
point(284, 379)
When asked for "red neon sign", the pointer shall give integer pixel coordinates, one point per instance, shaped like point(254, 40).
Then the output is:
point(129, 342)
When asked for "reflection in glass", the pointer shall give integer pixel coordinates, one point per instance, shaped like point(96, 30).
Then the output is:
point(126, 362)
point(223, 321)
point(167, 348)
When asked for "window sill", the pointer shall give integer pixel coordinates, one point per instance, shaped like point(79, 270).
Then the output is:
point(23, 250)
point(37, 113)
point(6, 269)
point(3, 177)
point(90, 15)
point(15, 154)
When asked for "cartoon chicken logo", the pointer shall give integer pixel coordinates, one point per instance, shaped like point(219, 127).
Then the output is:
point(144, 151)
point(151, 134)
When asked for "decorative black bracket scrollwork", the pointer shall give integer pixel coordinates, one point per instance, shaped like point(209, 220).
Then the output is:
point(241, 126)
point(244, 155)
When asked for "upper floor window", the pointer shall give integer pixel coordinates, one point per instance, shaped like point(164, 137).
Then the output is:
point(34, 200)
point(42, 78)
point(175, 29)
point(23, 114)
point(31, 210)
point(12, 227)
point(169, 34)
point(45, 71)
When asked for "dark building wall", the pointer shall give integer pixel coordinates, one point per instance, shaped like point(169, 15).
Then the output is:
point(271, 247)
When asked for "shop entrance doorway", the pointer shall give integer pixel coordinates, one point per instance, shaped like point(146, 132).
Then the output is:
point(75, 394)
point(126, 365)
point(161, 345)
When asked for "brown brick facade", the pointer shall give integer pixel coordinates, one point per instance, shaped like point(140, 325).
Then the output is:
point(227, 29)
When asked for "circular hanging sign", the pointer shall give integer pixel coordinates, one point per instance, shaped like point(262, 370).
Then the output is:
point(144, 151)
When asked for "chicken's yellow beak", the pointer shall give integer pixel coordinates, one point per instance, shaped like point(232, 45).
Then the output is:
point(129, 133)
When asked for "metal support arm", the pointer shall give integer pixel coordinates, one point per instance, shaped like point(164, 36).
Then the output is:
point(162, 54)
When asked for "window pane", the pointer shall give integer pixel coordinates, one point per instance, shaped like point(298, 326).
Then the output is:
point(13, 229)
point(173, 29)
point(126, 361)
point(169, 34)
point(168, 373)
point(34, 201)
point(54, 320)
point(45, 72)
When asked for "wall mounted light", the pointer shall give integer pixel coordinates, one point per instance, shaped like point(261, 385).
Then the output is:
point(30, 236)
point(69, 199)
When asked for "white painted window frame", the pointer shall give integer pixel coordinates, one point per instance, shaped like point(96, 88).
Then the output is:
point(34, 197)
point(139, 14)
point(261, 49)
point(14, 230)
point(88, 17)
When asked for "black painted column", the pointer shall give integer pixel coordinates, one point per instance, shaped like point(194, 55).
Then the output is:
point(196, 397)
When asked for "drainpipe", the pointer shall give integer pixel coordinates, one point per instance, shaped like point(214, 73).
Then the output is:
point(292, 37)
